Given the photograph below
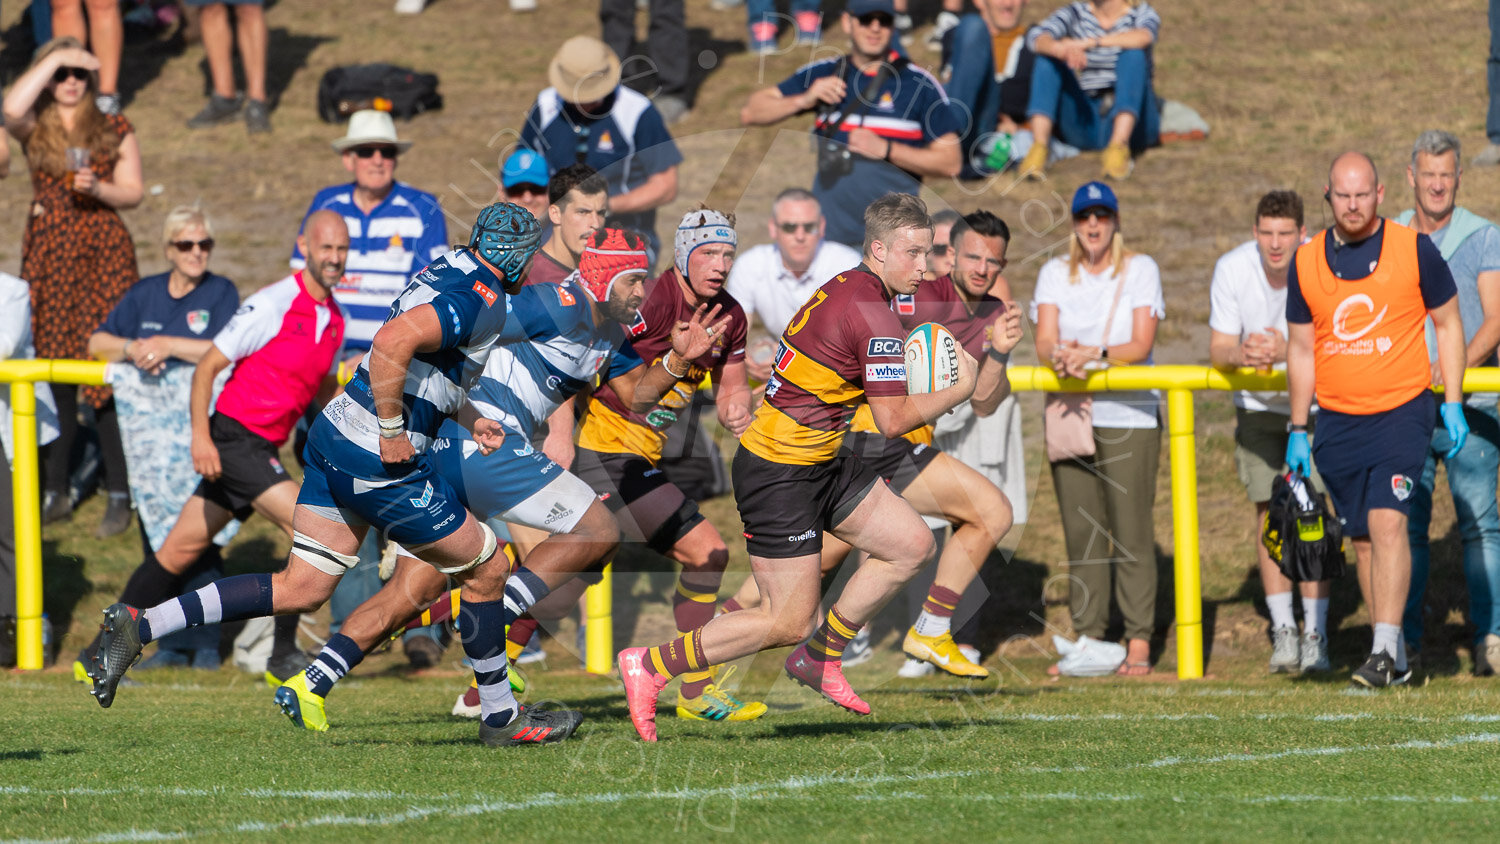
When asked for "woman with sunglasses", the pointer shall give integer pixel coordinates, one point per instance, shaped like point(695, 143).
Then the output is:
point(1097, 307)
point(163, 326)
point(77, 254)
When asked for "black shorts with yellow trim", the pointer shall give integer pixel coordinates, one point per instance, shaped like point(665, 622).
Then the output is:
point(897, 460)
point(649, 508)
point(786, 508)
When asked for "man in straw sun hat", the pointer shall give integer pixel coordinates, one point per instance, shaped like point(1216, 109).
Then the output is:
point(588, 117)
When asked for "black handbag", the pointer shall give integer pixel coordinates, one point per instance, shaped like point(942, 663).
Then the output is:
point(1301, 533)
point(403, 92)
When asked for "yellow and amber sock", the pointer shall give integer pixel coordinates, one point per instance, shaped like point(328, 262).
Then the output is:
point(693, 602)
point(694, 682)
point(519, 636)
point(937, 612)
point(729, 606)
point(835, 634)
point(679, 656)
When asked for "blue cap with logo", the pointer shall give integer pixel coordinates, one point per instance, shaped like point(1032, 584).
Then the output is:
point(524, 167)
point(1095, 195)
point(858, 8)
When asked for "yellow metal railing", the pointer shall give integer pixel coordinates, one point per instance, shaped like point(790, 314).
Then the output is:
point(1179, 382)
point(22, 376)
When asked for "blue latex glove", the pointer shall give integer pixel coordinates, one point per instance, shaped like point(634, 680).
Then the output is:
point(1456, 425)
point(1298, 454)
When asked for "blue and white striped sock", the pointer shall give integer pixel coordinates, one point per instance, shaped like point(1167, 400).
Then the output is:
point(522, 591)
point(481, 624)
point(337, 658)
point(231, 599)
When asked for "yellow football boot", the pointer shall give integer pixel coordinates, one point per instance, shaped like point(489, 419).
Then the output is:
point(942, 652)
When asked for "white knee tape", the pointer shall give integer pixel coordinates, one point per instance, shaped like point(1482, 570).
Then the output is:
point(320, 556)
point(489, 551)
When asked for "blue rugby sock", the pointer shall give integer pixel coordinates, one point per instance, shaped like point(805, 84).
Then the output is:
point(481, 624)
point(337, 658)
point(522, 592)
point(231, 599)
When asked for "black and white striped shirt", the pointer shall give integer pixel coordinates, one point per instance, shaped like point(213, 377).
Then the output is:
point(1077, 20)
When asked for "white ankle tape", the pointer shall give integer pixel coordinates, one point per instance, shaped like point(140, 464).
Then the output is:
point(489, 551)
point(320, 556)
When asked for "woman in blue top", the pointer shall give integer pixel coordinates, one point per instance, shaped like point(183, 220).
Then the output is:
point(164, 325)
point(175, 315)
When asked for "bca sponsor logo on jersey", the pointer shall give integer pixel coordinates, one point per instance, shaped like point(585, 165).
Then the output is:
point(906, 304)
point(197, 321)
point(885, 372)
point(884, 347)
point(487, 294)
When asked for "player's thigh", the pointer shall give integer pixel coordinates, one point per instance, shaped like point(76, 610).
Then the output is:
point(886, 526)
point(950, 489)
point(525, 538)
point(278, 504)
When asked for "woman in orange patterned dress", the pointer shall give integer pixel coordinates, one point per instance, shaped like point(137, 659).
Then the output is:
point(77, 254)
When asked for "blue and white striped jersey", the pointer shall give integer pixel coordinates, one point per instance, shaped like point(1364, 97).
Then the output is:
point(1077, 20)
point(548, 352)
point(473, 309)
point(387, 246)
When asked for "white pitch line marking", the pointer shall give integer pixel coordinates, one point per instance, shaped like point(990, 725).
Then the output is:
point(1173, 761)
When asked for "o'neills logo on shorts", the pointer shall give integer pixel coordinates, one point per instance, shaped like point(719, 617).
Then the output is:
point(1401, 487)
point(812, 534)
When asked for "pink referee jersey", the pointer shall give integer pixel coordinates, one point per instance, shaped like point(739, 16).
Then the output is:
point(283, 342)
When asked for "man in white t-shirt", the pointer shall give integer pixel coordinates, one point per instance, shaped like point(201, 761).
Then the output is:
point(772, 280)
point(1247, 322)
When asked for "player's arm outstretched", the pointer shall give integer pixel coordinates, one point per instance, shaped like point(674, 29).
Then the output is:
point(641, 388)
point(899, 415)
point(991, 385)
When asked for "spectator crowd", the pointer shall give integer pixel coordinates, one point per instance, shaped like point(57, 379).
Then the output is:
point(189, 448)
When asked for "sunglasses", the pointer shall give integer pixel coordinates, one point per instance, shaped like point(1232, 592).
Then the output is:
point(207, 245)
point(1101, 213)
point(388, 153)
point(61, 74)
point(525, 188)
point(791, 228)
point(871, 18)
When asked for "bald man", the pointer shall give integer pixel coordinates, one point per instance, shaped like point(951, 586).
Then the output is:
point(1358, 296)
point(284, 342)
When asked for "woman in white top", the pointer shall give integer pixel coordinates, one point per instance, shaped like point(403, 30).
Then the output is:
point(1097, 307)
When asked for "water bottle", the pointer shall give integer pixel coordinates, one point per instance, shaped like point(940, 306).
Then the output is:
point(999, 154)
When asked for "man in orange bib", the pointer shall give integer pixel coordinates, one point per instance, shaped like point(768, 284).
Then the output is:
point(1358, 295)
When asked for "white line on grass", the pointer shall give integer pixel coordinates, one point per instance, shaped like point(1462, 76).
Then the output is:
point(752, 791)
point(1173, 761)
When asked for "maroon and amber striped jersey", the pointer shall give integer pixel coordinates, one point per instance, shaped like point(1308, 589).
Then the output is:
point(940, 302)
point(611, 426)
point(844, 344)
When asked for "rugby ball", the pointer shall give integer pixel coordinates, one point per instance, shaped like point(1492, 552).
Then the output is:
point(931, 359)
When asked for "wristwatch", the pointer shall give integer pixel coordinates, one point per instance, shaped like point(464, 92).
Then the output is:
point(1294, 428)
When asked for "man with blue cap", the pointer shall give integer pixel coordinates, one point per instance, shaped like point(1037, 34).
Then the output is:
point(523, 180)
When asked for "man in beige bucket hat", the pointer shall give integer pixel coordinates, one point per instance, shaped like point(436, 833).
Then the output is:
point(588, 117)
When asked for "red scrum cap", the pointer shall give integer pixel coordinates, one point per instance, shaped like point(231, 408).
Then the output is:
point(608, 255)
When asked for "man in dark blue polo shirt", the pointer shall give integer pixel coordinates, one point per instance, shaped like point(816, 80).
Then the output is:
point(588, 117)
point(883, 124)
